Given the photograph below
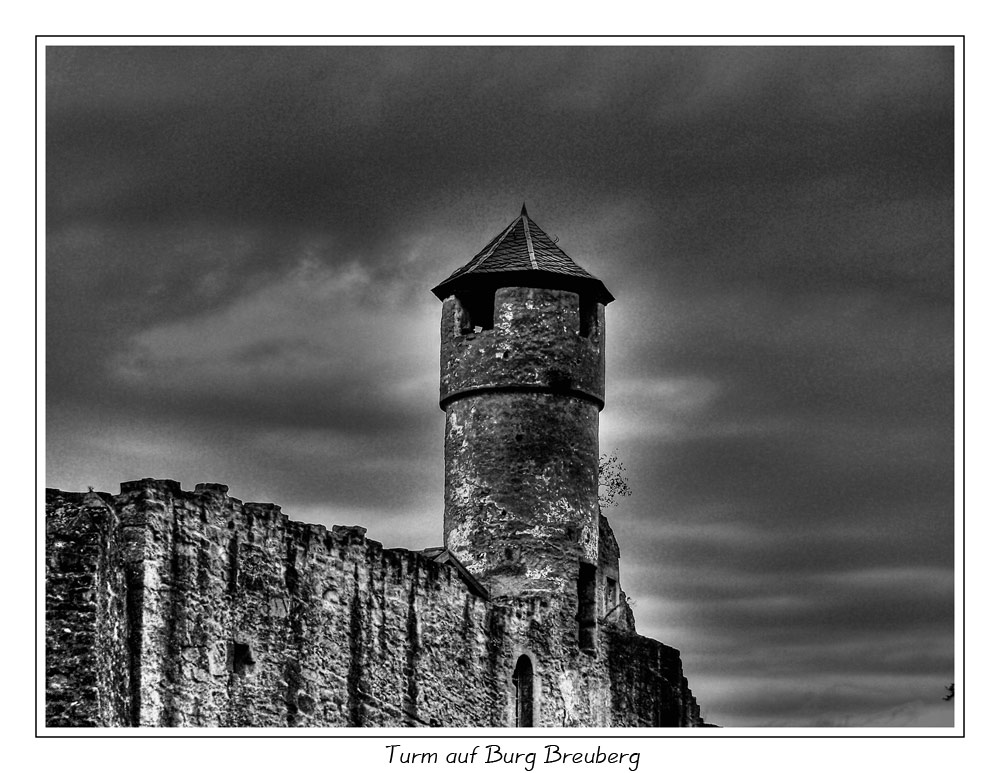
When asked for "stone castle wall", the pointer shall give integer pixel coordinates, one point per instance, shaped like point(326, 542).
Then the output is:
point(175, 608)
point(86, 618)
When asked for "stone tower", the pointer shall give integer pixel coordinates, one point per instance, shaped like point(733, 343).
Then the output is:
point(522, 384)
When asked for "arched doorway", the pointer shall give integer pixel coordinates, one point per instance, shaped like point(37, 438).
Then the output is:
point(524, 694)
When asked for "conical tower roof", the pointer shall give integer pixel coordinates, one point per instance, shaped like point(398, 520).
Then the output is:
point(522, 255)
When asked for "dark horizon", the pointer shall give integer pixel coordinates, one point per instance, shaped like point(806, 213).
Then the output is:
point(241, 244)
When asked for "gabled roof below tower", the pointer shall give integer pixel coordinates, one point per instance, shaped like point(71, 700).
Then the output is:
point(441, 555)
point(523, 254)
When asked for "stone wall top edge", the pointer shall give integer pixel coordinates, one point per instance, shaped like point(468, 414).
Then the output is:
point(638, 640)
point(203, 491)
point(317, 533)
point(160, 484)
point(54, 493)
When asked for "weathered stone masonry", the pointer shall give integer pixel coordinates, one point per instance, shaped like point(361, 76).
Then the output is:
point(86, 619)
point(248, 618)
point(174, 608)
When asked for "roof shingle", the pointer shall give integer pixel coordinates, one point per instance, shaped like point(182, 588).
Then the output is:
point(522, 248)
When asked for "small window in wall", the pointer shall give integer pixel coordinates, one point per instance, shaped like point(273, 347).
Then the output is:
point(611, 598)
point(242, 661)
point(524, 695)
point(477, 312)
point(588, 316)
point(586, 590)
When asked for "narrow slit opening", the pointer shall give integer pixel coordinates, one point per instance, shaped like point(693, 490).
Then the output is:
point(586, 589)
point(524, 693)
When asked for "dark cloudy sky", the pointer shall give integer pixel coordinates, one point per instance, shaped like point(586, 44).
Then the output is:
point(241, 244)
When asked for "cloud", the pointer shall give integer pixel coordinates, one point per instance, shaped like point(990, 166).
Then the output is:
point(299, 334)
point(831, 702)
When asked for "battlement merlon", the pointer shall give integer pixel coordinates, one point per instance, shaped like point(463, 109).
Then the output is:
point(138, 499)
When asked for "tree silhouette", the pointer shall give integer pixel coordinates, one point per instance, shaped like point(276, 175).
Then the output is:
point(612, 482)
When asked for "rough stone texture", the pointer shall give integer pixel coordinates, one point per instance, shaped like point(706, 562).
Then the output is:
point(521, 488)
point(86, 622)
point(535, 342)
point(251, 619)
point(648, 688)
point(521, 438)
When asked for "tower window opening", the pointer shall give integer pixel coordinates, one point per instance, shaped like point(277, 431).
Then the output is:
point(588, 316)
point(611, 599)
point(241, 658)
point(477, 312)
point(586, 590)
point(524, 693)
